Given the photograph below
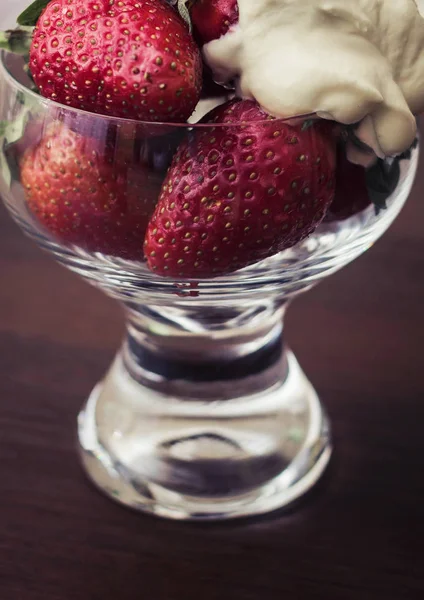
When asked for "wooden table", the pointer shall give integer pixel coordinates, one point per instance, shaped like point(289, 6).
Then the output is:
point(360, 535)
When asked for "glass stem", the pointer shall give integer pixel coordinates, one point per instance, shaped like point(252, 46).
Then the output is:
point(215, 356)
point(204, 415)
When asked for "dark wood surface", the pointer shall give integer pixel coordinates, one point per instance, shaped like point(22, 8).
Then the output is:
point(360, 535)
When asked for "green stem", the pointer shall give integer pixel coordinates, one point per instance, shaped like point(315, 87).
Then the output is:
point(184, 12)
point(17, 41)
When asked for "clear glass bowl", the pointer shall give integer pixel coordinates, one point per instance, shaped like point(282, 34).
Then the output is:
point(205, 413)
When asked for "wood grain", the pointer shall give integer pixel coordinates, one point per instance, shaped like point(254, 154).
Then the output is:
point(360, 535)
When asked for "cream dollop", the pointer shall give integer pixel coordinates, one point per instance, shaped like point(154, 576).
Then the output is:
point(354, 61)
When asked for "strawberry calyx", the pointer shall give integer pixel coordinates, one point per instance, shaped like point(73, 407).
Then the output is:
point(407, 155)
point(16, 134)
point(358, 188)
point(30, 16)
point(183, 9)
point(382, 180)
point(17, 41)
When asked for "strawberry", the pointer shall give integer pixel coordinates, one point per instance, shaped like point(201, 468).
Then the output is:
point(133, 59)
point(85, 198)
point(235, 195)
point(212, 19)
point(351, 196)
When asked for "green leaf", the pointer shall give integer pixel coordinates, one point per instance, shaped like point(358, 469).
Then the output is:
point(5, 168)
point(308, 124)
point(30, 15)
point(183, 7)
point(12, 132)
point(408, 154)
point(17, 40)
point(16, 130)
point(382, 180)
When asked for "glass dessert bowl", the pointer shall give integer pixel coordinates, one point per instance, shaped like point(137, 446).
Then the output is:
point(205, 412)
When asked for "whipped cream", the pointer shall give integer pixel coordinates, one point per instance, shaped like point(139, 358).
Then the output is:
point(352, 61)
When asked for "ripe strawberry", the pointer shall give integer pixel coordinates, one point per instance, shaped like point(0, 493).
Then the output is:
point(351, 196)
point(212, 19)
point(84, 198)
point(132, 59)
point(235, 195)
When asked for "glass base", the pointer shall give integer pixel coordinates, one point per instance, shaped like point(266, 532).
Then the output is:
point(201, 460)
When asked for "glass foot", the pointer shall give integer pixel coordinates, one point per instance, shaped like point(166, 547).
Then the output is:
point(194, 460)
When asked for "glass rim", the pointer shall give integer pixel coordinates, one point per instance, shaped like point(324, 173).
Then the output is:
point(5, 72)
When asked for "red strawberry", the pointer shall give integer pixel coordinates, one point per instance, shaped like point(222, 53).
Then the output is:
point(85, 198)
point(235, 195)
point(212, 19)
point(352, 194)
point(132, 58)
